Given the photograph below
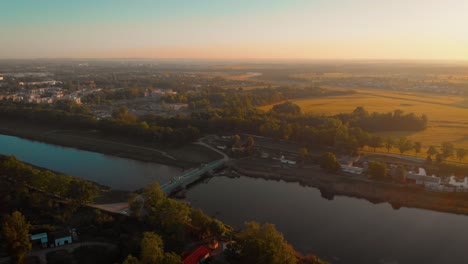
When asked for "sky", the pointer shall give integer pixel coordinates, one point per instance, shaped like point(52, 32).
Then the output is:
point(240, 29)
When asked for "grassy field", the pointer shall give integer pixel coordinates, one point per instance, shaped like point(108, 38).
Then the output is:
point(448, 119)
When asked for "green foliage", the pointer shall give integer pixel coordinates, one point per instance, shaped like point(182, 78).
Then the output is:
point(377, 170)
point(389, 143)
point(329, 163)
point(417, 147)
point(447, 149)
point(404, 145)
point(15, 231)
point(399, 174)
point(287, 108)
point(376, 142)
point(431, 151)
point(167, 215)
point(151, 249)
point(77, 190)
point(264, 245)
point(131, 260)
point(171, 258)
point(385, 121)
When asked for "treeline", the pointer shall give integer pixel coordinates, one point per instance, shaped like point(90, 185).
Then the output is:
point(76, 116)
point(391, 121)
point(58, 185)
point(108, 95)
point(231, 98)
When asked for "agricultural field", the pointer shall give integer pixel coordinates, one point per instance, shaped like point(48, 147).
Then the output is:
point(448, 116)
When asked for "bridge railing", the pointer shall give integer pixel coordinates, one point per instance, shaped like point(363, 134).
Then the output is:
point(170, 186)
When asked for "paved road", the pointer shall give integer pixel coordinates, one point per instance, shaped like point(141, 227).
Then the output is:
point(200, 142)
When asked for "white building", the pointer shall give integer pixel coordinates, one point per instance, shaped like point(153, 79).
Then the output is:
point(421, 178)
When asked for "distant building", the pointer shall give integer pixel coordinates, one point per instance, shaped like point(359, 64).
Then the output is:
point(351, 169)
point(198, 255)
point(421, 178)
point(40, 239)
point(60, 238)
point(460, 186)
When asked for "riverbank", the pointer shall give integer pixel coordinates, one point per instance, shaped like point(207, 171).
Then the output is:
point(183, 157)
point(398, 195)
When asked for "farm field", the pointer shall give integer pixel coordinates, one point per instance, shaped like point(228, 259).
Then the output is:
point(448, 119)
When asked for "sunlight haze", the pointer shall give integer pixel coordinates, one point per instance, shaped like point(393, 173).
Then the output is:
point(349, 29)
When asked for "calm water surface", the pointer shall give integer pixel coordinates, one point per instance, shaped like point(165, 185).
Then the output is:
point(115, 172)
point(343, 230)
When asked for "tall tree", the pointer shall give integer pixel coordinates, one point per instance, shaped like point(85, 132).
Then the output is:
point(375, 142)
point(16, 234)
point(431, 151)
point(264, 244)
point(249, 145)
point(389, 142)
point(151, 249)
point(417, 147)
point(404, 145)
point(461, 153)
point(447, 149)
point(377, 170)
point(329, 163)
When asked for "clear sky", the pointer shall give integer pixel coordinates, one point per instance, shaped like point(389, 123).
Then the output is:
point(235, 29)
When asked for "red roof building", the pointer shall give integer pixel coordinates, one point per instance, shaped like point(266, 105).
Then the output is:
point(198, 254)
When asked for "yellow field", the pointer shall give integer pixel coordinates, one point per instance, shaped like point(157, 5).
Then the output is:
point(447, 120)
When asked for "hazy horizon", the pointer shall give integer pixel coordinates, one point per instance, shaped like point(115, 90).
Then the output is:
point(245, 30)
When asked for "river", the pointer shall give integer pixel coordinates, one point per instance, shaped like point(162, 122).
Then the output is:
point(341, 230)
point(115, 172)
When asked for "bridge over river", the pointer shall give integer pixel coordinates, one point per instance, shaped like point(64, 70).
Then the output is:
point(179, 182)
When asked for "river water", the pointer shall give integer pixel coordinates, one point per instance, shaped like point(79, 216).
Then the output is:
point(115, 172)
point(342, 230)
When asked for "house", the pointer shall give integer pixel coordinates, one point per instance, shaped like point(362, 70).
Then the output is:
point(460, 186)
point(421, 178)
point(60, 238)
point(287, 161)
point(39, 239)
point(198, 255)
point(351, 169)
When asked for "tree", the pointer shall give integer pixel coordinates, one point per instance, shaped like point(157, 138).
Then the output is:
point(400, 174)
point(404, 145)
point(249, 144)
point(389, 142)
point(131, 260)
point(235, 142)
point(431, 151)
point(375, 142)
point(135, 203)
point(264, 244)
point(287, 108)
point(461, 153)
point(329, 163)
point(218, 228)
point(16, 234)
point(447, 149)
point(417, 147)
point(377, 170)
point(171, 258)
point(151, 249)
